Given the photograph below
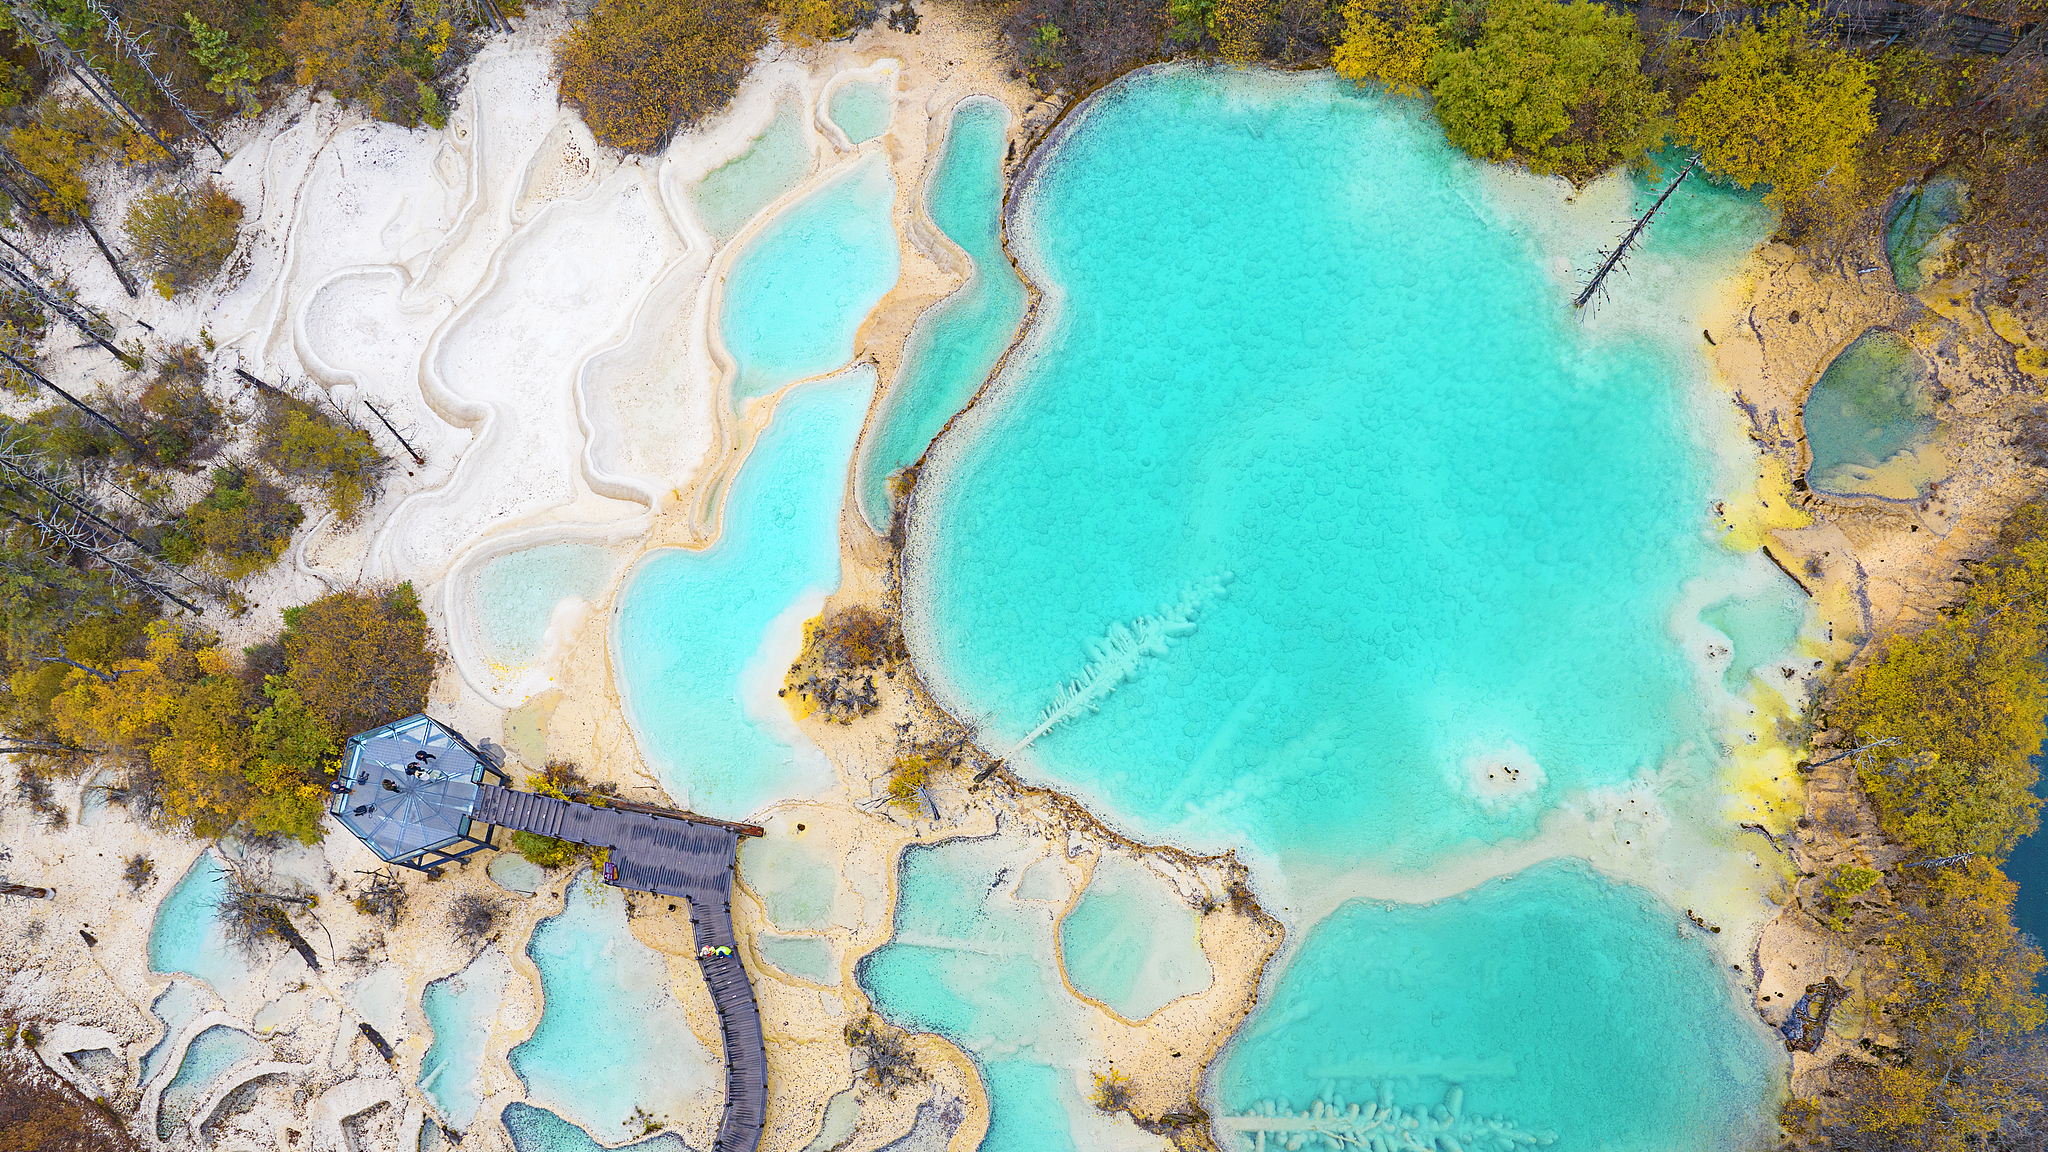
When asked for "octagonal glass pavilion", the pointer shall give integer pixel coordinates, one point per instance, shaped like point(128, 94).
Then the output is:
point(409, 791)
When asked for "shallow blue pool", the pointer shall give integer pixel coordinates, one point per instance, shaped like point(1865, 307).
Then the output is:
point(186, 934)
point(612, 1037)
point(956, 343)
point(1869, 420)
point(702, 639)
point(799, 290)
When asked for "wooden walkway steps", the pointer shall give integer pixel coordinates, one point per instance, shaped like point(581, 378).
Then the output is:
point(673, 854)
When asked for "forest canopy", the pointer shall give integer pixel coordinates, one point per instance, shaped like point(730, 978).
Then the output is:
point(1556, 87)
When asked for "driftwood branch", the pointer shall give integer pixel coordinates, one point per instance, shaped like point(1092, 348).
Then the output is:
point(1621, 250)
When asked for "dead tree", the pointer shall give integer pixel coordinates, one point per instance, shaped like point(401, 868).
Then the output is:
point(51, 47)
point(22, 464)
point(60, 530)
point(14, 180)
point(402, 441)
point(74, 401)
point(50, 300)
point(138, 50)
point(1616, 258)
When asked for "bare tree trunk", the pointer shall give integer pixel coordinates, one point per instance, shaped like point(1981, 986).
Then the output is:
point(74, 401)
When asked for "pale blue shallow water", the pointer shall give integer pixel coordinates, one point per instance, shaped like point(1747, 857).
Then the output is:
point(1414, 510)
point(974, 963)
point(690, 624)
point(516, 595)
point(177, 1006)
point(1560, 1001)
point(459, 1009)
point(186, 934)
point(1132, 942)
point(211, 1053)
point(810, 958)
point(612, 1036)
point(862, 109)
point(728, 196)
point(799, 291)
point(956, 342)
point(539, 1130)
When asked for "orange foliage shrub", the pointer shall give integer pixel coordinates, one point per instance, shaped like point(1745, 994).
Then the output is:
point(639, 69)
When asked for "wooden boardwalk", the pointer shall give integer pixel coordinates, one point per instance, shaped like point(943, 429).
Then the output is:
point(672, 854)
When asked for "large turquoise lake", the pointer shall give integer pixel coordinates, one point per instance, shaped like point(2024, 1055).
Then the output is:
point(1304, 390)
point(1309, 521)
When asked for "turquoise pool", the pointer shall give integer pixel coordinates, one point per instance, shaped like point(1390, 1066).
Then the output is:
point(1307, 492)
point(797, 293)
point(539, 1130)
point(186, 934)
point(612, 1038)
point(702, 639)
point(1557, 1000)
point(210, 1054)
point(731, 194)
point(1870, 421)
point(957, 342)
point(1382, 518)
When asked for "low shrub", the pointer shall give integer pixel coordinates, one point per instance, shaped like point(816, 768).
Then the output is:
point(240, 527)
point(389, 57)
point(179, 421)
point(305, 443)
point(184, 237)
point(639, 69)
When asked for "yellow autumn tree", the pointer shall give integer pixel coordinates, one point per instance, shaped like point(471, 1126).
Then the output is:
point(1966, 700)
point(1956, 980)
point(806, 21)
point(1781, 106)
point(1558, 87)
point(1388, 44)
point(1241, 28)
point(201, 758)
point(359, 659)
point(380, 54)
point(639, 69)
point(125, 708)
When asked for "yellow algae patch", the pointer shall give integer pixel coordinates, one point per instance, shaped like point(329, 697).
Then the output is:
point(2028, 354)
point(796, 693)
point(1760, 782)
point(1766, 508)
